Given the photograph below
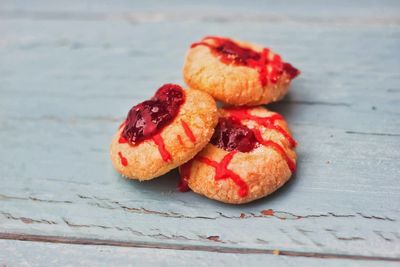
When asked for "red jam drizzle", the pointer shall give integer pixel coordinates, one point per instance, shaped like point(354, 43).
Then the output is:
point(267, 122)
point(276, 147)
point(122, 140)
point(188, 131)
point(180, 140)
point(124, 161)
point(232, 135)
point(185, 176)
point(147, 119)
point(230, 52)
point(165, 155)
point(222, 172)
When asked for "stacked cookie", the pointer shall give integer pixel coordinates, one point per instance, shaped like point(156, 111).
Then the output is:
point(234, 154)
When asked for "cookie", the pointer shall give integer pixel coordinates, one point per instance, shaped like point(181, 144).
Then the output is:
point(237, 73)
point(164, 132)
point(250, 155)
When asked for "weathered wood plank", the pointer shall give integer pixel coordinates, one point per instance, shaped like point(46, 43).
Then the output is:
point(19, 253)
point(307, 11)
point(67, 81)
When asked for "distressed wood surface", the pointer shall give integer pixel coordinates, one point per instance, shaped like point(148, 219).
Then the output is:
point(70, 72)
point(45, 254)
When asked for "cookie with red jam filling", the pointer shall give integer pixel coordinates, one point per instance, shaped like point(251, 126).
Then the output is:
point(237, 73)
point(250, 155)
point(164, 132)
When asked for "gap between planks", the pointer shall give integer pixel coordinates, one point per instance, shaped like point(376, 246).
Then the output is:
point(190, 15)
point(217, 249)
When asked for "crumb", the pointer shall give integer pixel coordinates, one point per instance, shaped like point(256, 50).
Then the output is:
point(242, 215)
point(276, 252)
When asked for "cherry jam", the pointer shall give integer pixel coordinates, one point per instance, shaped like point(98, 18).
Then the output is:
point(239, 55)
point(231, 135)
point(149, 117)
point(229, 52)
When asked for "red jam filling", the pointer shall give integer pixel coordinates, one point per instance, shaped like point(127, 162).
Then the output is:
point(148, 118)
point(229, 52)
point(231, 135)
point(239, 55)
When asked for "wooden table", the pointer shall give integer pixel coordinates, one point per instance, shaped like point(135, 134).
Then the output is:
point(70, 71)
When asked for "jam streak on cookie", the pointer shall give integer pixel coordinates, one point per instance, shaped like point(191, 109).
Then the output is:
point(124, 161)
point(222, 172)
point(229, 52)
point(147, 119)
point(180, 140)
point(122, 140)
point(267, 122)
point(185, 176)
point(278, 148)
point(188, 132)
point(166, 156)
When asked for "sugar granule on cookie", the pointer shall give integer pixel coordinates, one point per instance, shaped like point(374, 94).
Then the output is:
point(164, 132)
point(237, 73)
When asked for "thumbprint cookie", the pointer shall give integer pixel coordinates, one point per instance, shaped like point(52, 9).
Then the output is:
point(250, 155)
point(237, 73)
point(164, 132)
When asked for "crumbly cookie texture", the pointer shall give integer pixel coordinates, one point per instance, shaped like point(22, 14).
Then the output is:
point(237, 84)
point(245, 176)
point(183, 138)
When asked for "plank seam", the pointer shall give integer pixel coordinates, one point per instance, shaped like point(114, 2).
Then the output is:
point(149, 17)
point(213, 249)
point(371, 133)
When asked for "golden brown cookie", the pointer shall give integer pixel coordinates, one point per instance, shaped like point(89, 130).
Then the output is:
point(237, 73)
point(250, 155)
point(164, 132)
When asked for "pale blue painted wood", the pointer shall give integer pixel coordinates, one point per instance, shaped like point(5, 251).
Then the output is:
point(45, 254)
point(69, 73)
point(18, 253)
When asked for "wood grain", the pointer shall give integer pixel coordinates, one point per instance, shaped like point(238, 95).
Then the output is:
point(49, 254)
point(69, 74)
